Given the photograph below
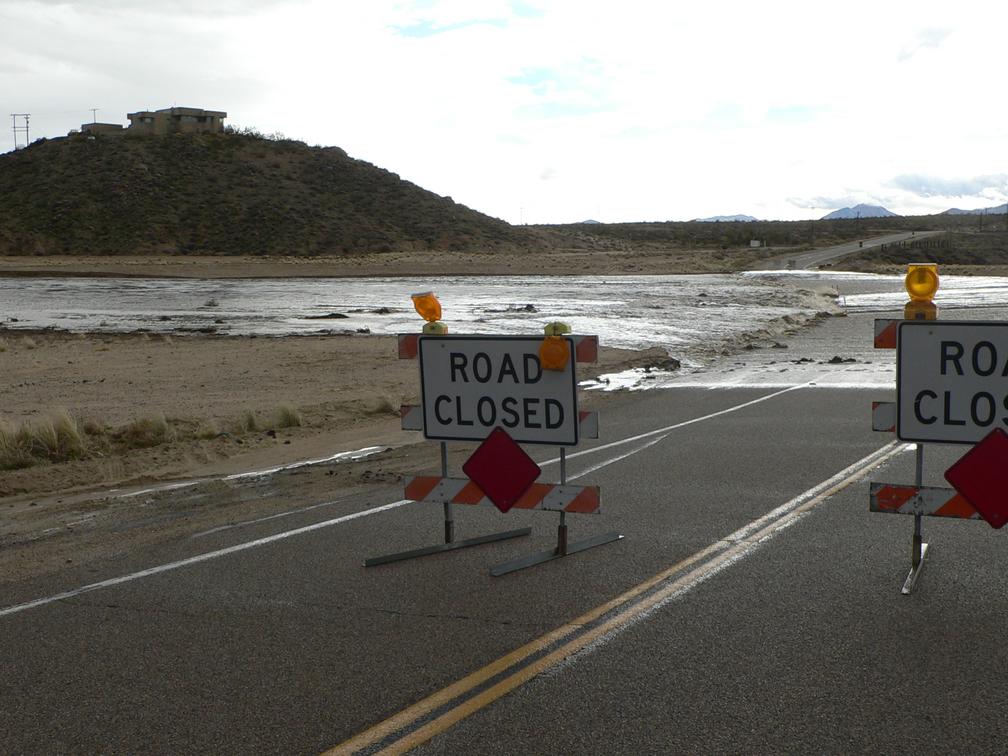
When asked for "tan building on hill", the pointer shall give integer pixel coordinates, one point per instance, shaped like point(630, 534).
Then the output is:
point(101, 128)
point(176, 120)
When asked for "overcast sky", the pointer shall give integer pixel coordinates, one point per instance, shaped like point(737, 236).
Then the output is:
point(556, 111)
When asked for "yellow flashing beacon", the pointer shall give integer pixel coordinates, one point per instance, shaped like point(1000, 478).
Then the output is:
point(554, 353)
point(921, 284)
point(427, 306)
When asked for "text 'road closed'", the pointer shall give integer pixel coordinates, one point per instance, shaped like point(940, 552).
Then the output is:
point(951, 380)
point(471, 385)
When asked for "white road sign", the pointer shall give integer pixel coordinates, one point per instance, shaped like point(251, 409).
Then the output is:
point(473, 384)
point(951, 380)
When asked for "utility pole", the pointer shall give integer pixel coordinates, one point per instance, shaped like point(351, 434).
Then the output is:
point(18, 129)
point(94, 115)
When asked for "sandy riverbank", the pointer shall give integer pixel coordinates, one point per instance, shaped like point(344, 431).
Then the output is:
point(347, 390)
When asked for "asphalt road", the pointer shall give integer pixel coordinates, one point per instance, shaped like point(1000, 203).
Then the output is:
point(789, 636)
point(818, 257)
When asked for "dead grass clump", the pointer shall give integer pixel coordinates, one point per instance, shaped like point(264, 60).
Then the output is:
point(66, 438)
point(145, 432)
point(247, 422)
point(286, 416)
point(57, 438)
point(15, 447)
point(207, 430)
point(92, 428)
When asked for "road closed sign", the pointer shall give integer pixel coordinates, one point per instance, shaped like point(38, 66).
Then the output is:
point(473, 384)
point(951, 380)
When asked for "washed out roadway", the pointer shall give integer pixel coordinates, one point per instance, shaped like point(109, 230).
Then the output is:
point(805, 644)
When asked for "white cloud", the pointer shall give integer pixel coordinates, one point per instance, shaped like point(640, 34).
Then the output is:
point(926, 38)
point(938, 186)
point(634, 111)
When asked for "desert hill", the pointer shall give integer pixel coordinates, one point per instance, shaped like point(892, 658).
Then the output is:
point(860, 211)
point(223, 194)
point(244, 194)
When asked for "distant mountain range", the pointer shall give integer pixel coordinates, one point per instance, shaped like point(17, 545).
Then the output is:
point(1000, 209)
point(716, 218)
point(860, 211)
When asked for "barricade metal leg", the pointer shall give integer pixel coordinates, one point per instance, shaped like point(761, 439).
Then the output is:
point(442, 547)
point(918, 547)
point(563, 548)
point(449, 519)
point(450, 544)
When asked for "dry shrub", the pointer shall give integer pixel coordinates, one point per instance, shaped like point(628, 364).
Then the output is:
point(15, 447)
point(57, 438)
point(92, 428)
point(247, 422)
point(286, 416)
point(145, 432)
point(207, 430)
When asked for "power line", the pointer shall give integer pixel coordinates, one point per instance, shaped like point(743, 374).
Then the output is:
point(18, 129)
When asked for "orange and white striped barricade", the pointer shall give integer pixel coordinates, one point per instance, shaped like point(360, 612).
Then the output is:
point(949, 390)
point(475, 387)
point(884, 419)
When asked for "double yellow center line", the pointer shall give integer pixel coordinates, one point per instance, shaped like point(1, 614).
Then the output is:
point(435, 714)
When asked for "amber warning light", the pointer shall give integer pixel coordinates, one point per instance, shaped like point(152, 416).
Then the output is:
point(554, 353)
point(921, 284)
point(429, 308)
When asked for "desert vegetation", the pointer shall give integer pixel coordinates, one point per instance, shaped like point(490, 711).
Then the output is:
point(226, 194)
point(243, 193)
point(62, 436)
point(962, 249)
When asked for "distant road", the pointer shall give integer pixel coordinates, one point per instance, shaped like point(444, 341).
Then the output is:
point(815, 258)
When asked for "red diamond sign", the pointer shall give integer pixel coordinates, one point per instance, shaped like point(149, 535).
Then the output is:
point(981, 476)
point(502, 469)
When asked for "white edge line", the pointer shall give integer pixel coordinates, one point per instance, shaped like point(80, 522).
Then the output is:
point(257, 520)
point(785, 516)
point(607, 462)
point(864, 463)
point(662, 432)
point(676, 426)
point(196, 559)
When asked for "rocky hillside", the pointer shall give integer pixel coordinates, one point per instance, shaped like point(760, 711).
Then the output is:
point(223, 194)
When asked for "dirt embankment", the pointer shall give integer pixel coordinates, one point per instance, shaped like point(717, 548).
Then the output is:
point(192, 396)
point(214, 404)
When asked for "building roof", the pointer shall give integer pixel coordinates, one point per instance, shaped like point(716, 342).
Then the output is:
point(178, 111)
